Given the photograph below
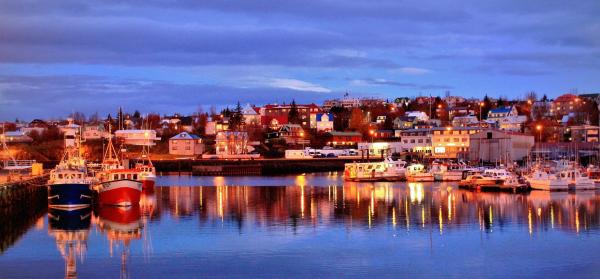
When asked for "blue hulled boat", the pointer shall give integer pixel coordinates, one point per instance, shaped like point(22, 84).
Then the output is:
point(69, 187)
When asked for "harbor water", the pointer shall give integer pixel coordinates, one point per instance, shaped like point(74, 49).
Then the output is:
point(313, 225)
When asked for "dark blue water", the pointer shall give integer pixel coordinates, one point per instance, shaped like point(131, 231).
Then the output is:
point(311, 226)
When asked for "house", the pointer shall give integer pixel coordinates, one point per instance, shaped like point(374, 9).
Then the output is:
point(276, 115)
point(293, 134)
point(186, 144)
point(404, 122)
point(178, 123)
point(322, 122)
point(497, 146)
point(69, 127)
point(214, 126)
point(137, 137)
point(498, 114)
point(251, 115)
point(512, 123)
point(336, 138)
point(541, 109)
point(380, 119)
point(465, 121)
point(231, 143)
point(565, 104)
point(94, 132)
point(459, 111)
point(416, 141)
point(15, 137)
point(383, 134)
point(452, 142)
point(420, 115)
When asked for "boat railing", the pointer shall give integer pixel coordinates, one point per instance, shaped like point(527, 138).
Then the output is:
point(18, 164)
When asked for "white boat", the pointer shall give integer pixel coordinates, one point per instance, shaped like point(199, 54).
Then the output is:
point(577, 180)
point(386, 170)
point(448, 172)
point(542, 180)
point(417, 173)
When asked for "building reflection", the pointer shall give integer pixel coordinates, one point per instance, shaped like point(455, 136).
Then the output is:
point(401, 206)
point(70, 229)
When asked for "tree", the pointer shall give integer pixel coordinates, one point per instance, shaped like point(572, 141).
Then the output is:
point(500, 103)
point(137, 114)
point(357, 120)
point(78, 117)
point(293, 115)
point(236, 118)
point(531, 96)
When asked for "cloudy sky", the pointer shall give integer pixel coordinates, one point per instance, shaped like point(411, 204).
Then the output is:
point(174, 56)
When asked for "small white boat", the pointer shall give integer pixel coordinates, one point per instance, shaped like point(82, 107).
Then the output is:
point(417, 173)
point(577, 180)
point(542, 180)
point(448, 172)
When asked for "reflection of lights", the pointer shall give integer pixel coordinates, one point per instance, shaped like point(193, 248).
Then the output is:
point(394, 222)
point(441, 218)
point(491, 219)
point(450, 207)
point(423, 216)
point(301, 180)
point(219, 181)
point(372, 207)
point(416, 192)
point(552, 216)
point(406, 214)
point(302, 201)
point(577, 221)
point(539, 211)
point(530, 221)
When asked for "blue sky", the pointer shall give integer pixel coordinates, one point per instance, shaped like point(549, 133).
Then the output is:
point(175, 56)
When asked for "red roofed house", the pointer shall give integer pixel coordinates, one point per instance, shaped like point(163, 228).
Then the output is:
point(565, 104)
point(275, 116)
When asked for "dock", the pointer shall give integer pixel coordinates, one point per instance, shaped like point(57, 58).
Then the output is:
point(522, 188)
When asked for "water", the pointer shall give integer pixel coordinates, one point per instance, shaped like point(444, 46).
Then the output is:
point(310, 226)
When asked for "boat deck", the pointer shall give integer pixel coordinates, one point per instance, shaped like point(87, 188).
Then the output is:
point(497, 188)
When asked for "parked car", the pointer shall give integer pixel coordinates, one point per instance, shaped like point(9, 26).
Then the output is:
point(331, 155)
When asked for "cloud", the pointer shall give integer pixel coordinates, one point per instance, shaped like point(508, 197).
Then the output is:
point(393, 83)
point(28, 97)
point(413, 71)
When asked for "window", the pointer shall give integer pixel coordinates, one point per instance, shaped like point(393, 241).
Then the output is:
point(420, 140)
point(412, 141)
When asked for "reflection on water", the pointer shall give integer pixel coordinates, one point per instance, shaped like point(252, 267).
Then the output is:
point(335, 227)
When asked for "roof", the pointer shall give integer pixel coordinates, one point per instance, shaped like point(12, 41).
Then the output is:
point(185, 136)
point(249, 110)
point(566, 98)
point(501, 110)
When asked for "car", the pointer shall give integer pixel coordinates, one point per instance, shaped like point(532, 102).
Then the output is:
point(331, 155)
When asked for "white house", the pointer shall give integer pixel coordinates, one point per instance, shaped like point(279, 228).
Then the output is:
point(137, 137)
point(420, 115)
point(186, 144)
point(321, 121)
point(498, 114)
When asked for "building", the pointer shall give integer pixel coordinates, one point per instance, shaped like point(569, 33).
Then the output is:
point(497, 146)
point(322, 122)
point(343, 139)
point(512, 123)
point(137, 137)
point(565, 104)
point(498, 114)
point(380, 119)
point(421, 116)
point(178, 123)
point(186, 144)
point(293, 134)
point(583, 133)
point(94, 132)
point(231, 143)
point(15, 137)
point(379, 148)
point(251, 115)
point(416, 141)
point(383, 134)
point(404, 122)
point(541, 109)
point(459, 111)
point(465, 121)
point(276, 115)
point(451, 142)
point(213, 126)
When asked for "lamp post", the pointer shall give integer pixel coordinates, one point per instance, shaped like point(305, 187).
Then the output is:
point(539, 128)
point(371, 132)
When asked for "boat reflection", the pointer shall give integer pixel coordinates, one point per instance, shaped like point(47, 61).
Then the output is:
point(363, 205)
point(121, 225)
point(70, 229)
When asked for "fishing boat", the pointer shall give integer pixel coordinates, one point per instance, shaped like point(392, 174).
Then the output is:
point(418, 173)
point(145, 169)
point(386, 170)
point(593, 173)
point(577, 179)
point(448, 172)
point(499, 179)
point(69, 186)
point(117, 185)
point(540, 179)
point(121, 226)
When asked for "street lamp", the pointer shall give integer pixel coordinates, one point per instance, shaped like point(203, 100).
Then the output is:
point(371, 132)
point(539, 128)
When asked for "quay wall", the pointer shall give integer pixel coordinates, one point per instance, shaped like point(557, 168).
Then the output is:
point(253, 167)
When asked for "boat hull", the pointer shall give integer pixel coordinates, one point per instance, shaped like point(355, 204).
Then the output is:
point(69, 196)
point(123, 192)
point(548, 185)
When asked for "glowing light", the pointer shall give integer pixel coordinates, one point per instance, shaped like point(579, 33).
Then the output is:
point(530, 221)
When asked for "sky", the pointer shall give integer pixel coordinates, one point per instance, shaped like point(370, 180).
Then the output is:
point(61, 56)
